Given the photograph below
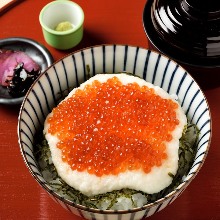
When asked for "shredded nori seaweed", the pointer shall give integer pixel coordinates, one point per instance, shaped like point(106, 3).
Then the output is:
point(187, 151)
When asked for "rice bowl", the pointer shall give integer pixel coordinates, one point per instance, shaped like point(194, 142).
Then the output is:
point(149, 65)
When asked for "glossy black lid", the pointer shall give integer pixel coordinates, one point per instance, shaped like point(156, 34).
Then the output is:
point(186, 30)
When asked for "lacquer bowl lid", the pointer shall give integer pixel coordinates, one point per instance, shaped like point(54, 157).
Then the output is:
point(186, 30)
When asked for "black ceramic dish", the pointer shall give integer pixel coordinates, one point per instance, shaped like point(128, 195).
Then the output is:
point(187, 31)
point(36, 51)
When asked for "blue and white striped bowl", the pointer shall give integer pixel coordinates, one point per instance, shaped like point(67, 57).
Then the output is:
point(72, 70)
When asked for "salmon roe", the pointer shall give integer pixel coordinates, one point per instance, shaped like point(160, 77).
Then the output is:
point(109, 128)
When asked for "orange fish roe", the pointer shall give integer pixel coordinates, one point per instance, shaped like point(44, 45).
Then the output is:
point(109, 128)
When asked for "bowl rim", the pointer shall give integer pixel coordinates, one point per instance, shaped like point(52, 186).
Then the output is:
point(158, 202)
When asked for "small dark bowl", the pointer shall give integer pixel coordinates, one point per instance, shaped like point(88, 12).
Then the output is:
point(187, 31)
point(36, 51)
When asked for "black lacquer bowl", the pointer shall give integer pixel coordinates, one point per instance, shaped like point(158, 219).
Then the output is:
point(187, 31)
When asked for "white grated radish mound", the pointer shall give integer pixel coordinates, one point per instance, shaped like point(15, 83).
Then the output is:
point(152, 182)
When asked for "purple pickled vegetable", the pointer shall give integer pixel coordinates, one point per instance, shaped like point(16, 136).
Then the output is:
point(17, 71)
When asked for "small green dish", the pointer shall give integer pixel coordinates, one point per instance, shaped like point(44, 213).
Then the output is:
point(57, 12)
